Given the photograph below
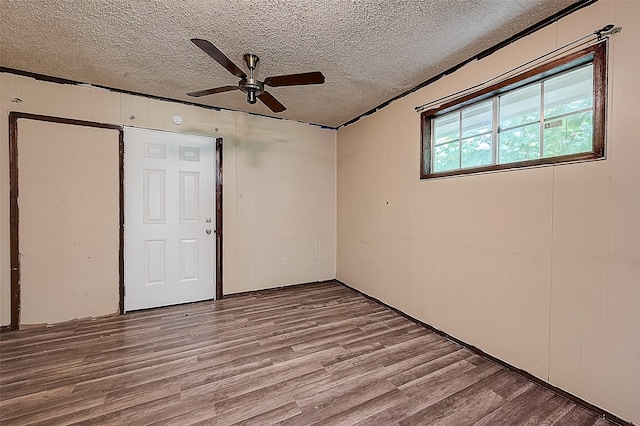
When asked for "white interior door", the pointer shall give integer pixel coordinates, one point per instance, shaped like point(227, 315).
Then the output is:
point(169, 218)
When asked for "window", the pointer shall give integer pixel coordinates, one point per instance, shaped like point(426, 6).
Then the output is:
point(554, 113)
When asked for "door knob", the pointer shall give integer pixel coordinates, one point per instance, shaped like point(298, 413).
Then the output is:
point(208, 231)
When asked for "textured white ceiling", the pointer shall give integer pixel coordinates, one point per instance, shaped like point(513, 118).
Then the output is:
point(369, 51)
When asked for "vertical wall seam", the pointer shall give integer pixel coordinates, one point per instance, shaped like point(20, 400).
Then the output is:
point(236, 144)
point(318, 168)
point(553, 200)
point(335, 205)
point(608, 111)
point(582, 278)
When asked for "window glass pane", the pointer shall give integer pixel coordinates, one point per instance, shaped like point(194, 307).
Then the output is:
point(446, 157)
point(522, 143)
point(572, 91)
point(521, 106)
point(476, 119)
point(568, 135)
point(446, 128)
point(476, 151)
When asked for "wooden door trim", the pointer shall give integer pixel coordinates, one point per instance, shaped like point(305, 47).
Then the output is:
point(14, 210)
point(218, 185)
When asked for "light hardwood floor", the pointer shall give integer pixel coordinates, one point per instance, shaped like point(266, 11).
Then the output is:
point(313, 354)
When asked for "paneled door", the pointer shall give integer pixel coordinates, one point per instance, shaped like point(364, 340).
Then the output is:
point(169, 218)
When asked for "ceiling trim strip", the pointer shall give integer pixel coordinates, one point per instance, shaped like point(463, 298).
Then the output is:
point(527, 31)
point(58, 80)
point(590, 39)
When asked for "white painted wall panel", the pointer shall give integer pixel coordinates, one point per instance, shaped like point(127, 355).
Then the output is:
point(539, 267)
point(567, 276)
point(8, 92)
point(622, 366)
point(68, 221)
point(276, 173)
point(326, 202)
point(59, 100)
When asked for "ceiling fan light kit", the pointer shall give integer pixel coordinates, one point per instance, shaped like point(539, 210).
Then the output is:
point(253, 87)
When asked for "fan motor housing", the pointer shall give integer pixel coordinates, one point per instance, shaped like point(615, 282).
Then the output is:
point(252, 88)
point(250, 85)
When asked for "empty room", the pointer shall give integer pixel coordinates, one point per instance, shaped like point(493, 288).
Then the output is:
point(308, 212)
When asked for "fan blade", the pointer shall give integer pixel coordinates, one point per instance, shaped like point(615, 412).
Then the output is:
point(206, 92)
point(271, 102)
point(220, 57)
point(315, 77)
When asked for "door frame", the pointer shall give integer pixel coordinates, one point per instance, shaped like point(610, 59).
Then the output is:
point(218, 184)
point(14, 116)
point(218, 197)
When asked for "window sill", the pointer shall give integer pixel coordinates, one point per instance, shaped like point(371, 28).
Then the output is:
point(552, 161)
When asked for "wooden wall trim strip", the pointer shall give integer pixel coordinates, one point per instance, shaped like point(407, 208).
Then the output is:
point(15, 115)
point(594, 408)
point(601, 92)
point(13, 227)
point(121, 243)
point(57, 80)
point(218, 183)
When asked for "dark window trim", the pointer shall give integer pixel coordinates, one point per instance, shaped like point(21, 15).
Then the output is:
point(596, 54)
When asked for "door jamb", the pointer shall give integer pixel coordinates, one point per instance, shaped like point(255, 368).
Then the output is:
point(218, 184)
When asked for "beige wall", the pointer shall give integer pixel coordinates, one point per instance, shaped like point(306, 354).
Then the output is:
point(538, 267)
point(279, 180)
point(69, 220)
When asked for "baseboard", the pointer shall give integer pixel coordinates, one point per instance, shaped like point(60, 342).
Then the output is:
point(262, 290)
point(589, 406)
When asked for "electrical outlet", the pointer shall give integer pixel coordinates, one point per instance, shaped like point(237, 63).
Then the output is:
point(315, 261)
point(284, 257)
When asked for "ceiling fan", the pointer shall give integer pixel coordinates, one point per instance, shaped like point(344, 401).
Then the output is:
point(252, 87)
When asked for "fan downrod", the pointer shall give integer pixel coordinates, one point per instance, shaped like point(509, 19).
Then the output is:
point(249, 85)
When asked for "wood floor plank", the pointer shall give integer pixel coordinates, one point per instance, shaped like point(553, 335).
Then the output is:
point(337, 400)
point(367, 409)
point(518, 408)
point(272, 417)
point(470, 404)
point(577, 416)
point(303, 355)
point(56, 407)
